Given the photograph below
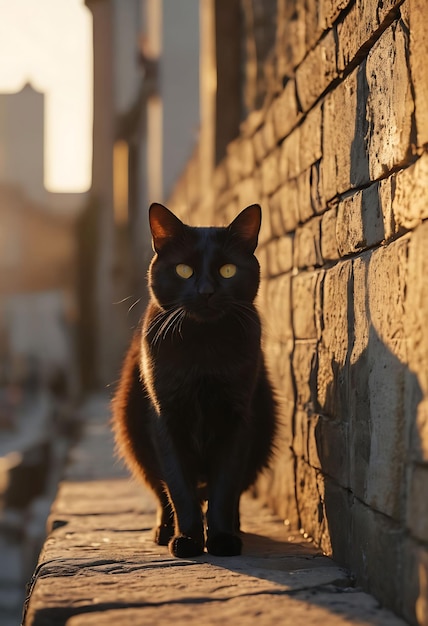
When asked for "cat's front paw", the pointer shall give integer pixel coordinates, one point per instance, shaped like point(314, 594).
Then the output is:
point(163, 534)
point(224, 544)
point(183, 546)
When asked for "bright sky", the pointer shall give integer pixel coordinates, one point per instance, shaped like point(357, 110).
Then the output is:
point(49, 44)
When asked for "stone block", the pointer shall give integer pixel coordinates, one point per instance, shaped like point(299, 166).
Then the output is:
point(285, 114)
point(329, 11)
point(336, 514)
point(279, 494)
point(417, 503)
point(247, 157)
point(345, 161)
point(359, 222)
point(317, 71)
point(415, 320)
point(287, 201)
point(390, 104)
point(313, 28)
point(360, 26)
point(289, 157)
point(259, 146)
point(409, 199)
point(386, 189)
point(269, 171)
point(268, 131)
point(336, 339)
point(328, 445)
point(275, 214)
point(290, 42)
point(310, 139)
point(329, 249)
point(318, 202)
point(378, 361)
point(304, 289)
point(272, 259)
point(376, 553)
point(277, 304)
point(309, 499)
point(418, 67)
point(280, 255)
point(304, 368)
point(307, 248)
point(304, 199)
point(301, 432)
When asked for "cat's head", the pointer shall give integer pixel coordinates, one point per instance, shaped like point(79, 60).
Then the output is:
point(205, 271)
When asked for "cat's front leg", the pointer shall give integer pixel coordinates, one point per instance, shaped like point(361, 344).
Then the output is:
point(188, 539)
point(225, 488)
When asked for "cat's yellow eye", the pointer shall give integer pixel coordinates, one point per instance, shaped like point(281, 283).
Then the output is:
point(228, 270)
point(184, 271)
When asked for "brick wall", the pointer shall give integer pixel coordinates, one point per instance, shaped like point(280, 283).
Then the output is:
point(337, 157)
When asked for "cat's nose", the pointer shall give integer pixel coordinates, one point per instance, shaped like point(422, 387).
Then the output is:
point(206, 289)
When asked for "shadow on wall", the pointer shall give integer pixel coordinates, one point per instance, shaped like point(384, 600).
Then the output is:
point(369, 441)
point(367, 437)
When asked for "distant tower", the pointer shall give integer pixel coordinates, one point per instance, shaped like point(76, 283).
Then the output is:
point(21, 141)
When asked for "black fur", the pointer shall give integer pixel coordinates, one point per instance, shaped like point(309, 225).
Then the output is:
point(194, 412)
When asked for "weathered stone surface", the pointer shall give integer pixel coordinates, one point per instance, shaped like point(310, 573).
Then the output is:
point(268, 131)
point(269, 170)
point(285, 115)
point(329, 250)
point(290, 42)
point(304, 293)
point(360, 27)
point(409, 200)
point(286, 199)
point(418, 56)
point(280, 255)
point(303, 183)
point(333, 372)
point(337, 610)
point(345, 161)
point(310, 139)
point(389, 105)
point(317, 71)
point(378, 361)
point(415, 319)
point(307, 248)
point(377, 557)
point(318, 202)
point(328, 442)
point(278, 301)
point(289, 159)
point(359, 222)
point(329, 10)
point(304, 359)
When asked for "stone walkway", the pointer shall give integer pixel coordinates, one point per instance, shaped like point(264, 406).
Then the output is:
point(100, 567)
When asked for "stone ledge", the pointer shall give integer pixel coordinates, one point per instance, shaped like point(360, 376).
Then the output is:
point(100, 566)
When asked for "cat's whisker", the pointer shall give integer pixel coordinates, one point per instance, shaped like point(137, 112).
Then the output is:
point(123, 300)
point(135, 304)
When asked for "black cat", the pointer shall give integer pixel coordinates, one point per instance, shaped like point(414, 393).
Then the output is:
point(194, 412)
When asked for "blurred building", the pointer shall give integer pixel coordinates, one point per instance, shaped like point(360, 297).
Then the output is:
point(146, 119)
point(37, 257)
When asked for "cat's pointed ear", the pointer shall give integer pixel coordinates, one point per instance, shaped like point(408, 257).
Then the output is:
point(164, 225)
point(247, 226)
